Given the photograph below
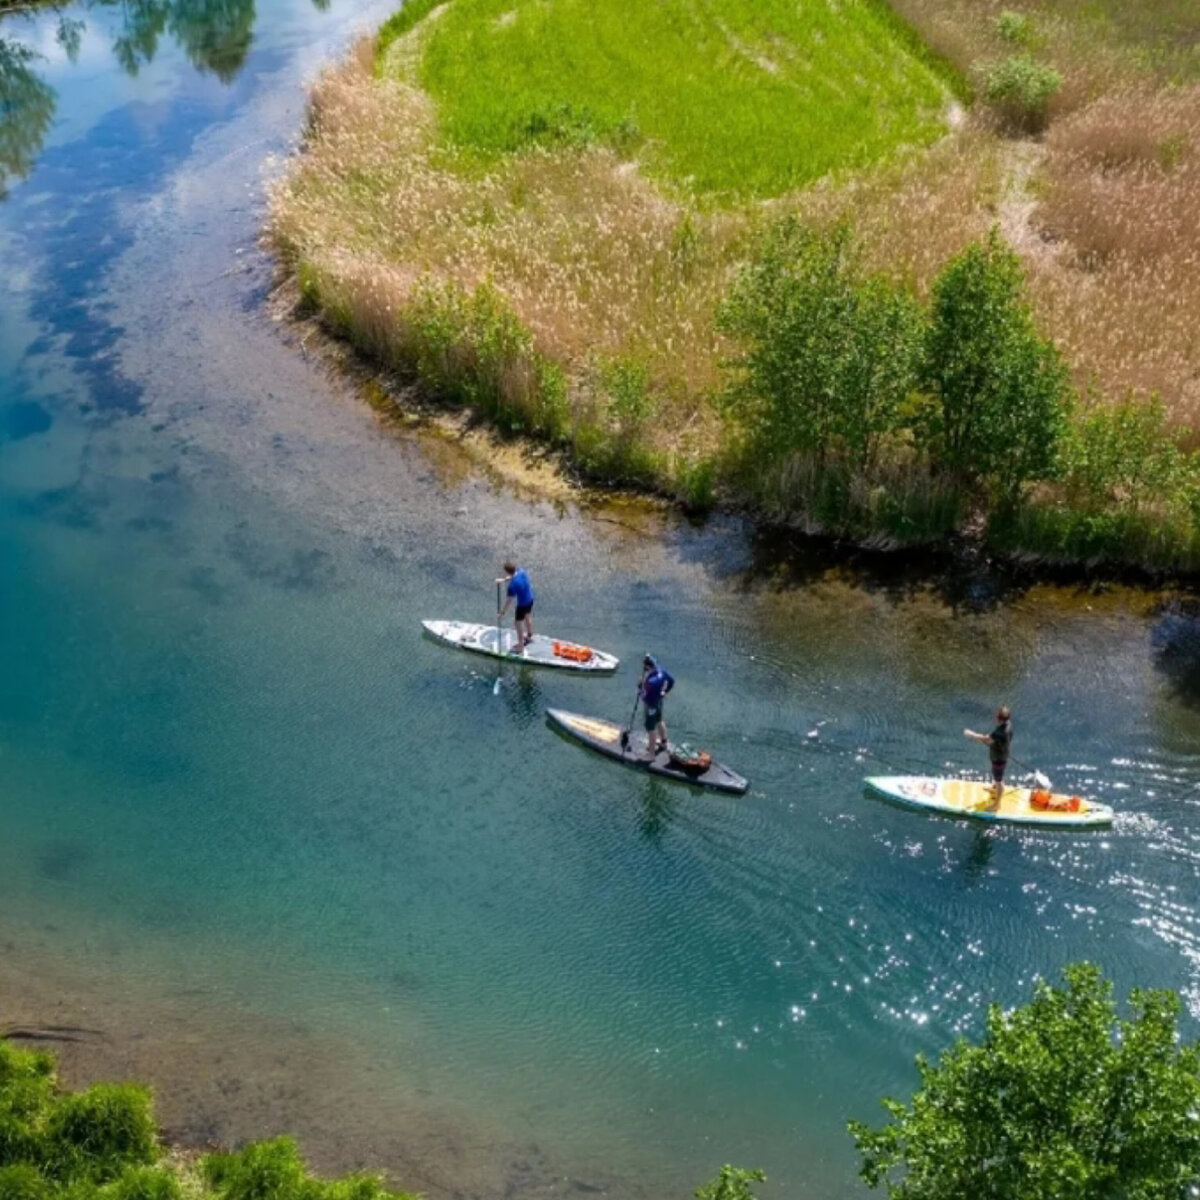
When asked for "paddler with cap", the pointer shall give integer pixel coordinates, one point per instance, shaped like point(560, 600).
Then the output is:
point(655, 683)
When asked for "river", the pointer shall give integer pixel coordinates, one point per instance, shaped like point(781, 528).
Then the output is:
point(305, 870)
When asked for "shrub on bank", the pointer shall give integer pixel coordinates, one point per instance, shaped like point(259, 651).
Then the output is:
point(101, 1144)
point(1018, 89)
point(1128, 491)
point(998, 391)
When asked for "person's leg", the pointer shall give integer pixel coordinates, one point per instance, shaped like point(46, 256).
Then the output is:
point(653, 717)
point(529, 627)
point(998, 781)
point(662, 732)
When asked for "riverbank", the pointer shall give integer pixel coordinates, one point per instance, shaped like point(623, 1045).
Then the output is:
point(570, 288)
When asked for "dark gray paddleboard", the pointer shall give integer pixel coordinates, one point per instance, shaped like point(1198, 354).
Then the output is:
point(605, 737)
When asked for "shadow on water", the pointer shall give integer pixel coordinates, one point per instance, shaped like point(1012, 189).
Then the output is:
point(656, 809)
point(523, 696)
point(1175, 638)
point(214, 34)
point(961, 577)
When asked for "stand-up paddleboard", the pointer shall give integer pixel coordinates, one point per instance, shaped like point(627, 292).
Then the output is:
point(605, 737)
point(974, 798)
point(501, 643)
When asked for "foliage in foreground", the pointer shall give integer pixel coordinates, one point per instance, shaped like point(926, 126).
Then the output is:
point(1063, 1100)
point(731, 1183)
point(101, 1144)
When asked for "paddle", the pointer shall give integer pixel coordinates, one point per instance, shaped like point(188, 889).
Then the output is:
point(1043, 781)
point(499, 638)
point(629, 728)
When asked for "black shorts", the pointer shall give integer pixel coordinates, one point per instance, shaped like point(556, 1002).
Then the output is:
point(998, 769)
point(523, 610)
point(653, 717)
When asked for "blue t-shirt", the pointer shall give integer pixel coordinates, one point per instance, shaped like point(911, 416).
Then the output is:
point(520, 587)
point(656, 685)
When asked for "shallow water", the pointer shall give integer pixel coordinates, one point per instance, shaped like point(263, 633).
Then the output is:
point(240, 789)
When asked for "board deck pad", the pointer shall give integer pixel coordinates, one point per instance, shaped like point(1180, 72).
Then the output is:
point(501, 643)
point(605, 738)
point(973, 798)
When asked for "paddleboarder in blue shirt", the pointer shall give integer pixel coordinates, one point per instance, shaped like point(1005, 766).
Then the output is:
point(520, 590)
point(654, 685)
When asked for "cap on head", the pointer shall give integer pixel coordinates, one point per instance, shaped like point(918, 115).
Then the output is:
point(648, 660)
point(510, 566)
point(1004, 712)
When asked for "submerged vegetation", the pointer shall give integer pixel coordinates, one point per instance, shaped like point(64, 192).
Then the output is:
point(607, 235)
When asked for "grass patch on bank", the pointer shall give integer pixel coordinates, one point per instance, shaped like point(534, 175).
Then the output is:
point(719, 97)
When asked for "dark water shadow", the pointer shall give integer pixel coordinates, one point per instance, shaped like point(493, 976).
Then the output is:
point(62, 860)
point(522, 694)
point(657, 805)
point(1175, 641)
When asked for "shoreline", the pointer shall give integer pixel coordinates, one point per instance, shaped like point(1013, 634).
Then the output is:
point(527, 465)
point(582, 308)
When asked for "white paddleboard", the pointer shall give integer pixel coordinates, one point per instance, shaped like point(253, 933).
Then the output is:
point(974, 798)
point(541, 652)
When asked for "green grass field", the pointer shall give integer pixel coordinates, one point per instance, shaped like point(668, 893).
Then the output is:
point(725, 97)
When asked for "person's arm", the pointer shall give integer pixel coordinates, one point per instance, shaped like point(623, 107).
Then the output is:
point(507, 593)
point(984, 739)
point(669, 684)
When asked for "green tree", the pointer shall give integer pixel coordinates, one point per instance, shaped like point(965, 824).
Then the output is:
point(1000, 391)
point(1062, 1101)
point(830, 353)
point(731, 1183)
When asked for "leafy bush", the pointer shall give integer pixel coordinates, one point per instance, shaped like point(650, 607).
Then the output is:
point(20, 1181)
point(1019, 90)
point(1013, 27)
point(1127, 455)
point(731, 1183)
point(830, 354)
point(98, 1133)
point(1062, 1100)
point(1129, 493)
point(631, 404)
point(999, 391)
point(100, 1144)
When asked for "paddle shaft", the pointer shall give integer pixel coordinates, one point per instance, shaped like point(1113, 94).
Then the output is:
point(629, 728)
point(1039, 776)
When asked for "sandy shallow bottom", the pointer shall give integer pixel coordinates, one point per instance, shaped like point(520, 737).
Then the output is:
point(223, 1074)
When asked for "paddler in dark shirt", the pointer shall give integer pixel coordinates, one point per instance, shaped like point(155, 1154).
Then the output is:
point(997, 742)
point(653, 686)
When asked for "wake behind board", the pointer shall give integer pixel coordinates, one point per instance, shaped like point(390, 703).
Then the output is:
point(973, 798)
point(541, 651)
point(605, 738)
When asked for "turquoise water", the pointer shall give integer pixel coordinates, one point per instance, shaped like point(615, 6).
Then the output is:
point(230, 764)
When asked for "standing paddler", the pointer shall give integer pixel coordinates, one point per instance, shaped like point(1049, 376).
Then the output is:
point(653, 686)
point(998, 743)
point(521, 590)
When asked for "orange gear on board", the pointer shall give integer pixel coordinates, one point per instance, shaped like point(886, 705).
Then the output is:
point(572, 652)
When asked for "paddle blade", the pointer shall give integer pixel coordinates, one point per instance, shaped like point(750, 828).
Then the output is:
point(496, 687)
